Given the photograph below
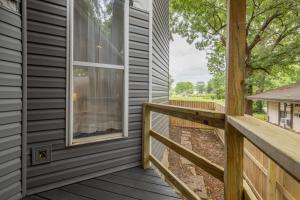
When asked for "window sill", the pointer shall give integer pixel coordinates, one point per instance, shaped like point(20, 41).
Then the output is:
point(96, 139)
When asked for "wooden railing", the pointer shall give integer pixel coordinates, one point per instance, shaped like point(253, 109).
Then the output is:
point(280, 145)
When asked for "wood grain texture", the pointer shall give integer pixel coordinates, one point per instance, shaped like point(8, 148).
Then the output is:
point(146, 137)
point(207, 117)
point(279, 144)
point(208, 166)
point(180, 185)
point(235, 62)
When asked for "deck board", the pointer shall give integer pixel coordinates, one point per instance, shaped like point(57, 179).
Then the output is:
point(130, 184)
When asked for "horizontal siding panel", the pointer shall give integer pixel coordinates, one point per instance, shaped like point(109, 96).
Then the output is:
point(139, 86)
point(135, 117)
point(39, 136)
point(10, 129)
point(138, 54)
point(138, 93)
point(138, 78)
point(139, 14)
point(44, 82)
point(139, 31)
point(11, 191)
point(10, 43)
point(79, 171)
point(138, 46)
point(138, 22)
point(43, 17)
point(135, 109)
point(44, 71)
point(10, 142)
point(10, 92)
point(47, 7)
point(10, 105)
point(46, 28)
point(10, 178)
point(41, 60)
point(46, 114)
point(10, 18)
point(10, 117)
point(10, 166)
point(34, 104)
point(9, 30)
point(10, 154)
point(139, 62)
point(10, 68)
point(137, 101)
point(139, 38)
point(80, 161)
point(46, 93)
point(10, 80)
point(45, 125)
point(10, 55)
point(39, 38)
point(138, 70)
point(40, 49)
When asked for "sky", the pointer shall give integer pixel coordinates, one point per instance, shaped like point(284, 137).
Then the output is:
point(186, 62)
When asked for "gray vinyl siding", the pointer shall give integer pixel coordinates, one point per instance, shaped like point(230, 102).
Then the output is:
point(160, 69)
point(47, 101)
point(10, 104)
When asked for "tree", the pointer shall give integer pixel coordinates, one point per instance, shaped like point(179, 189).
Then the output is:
point(272, 30)
point(200, 87)
point(216, 86)
point(184, 88)
point(171, 89)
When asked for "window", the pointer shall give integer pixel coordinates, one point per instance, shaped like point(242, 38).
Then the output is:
point(98, 70)
point(13, 5)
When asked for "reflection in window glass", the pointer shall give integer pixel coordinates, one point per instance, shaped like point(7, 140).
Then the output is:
point(98, 68)
point(97, 101)
point(12, 5)
point(99, 31)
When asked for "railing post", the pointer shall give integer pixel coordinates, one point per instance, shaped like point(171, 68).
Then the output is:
point(235, 103)
point(146, 136)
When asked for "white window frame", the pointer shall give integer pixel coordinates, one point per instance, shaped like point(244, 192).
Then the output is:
point(70, 141)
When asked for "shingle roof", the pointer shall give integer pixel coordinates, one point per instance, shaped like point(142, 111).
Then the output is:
point(289, 93)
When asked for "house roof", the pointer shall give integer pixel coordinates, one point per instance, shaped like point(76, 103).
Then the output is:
point(288, 93)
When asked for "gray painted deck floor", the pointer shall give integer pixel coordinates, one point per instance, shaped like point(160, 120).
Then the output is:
point(130, 184)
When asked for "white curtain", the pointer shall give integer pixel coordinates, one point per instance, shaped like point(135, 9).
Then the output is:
point(98, 92)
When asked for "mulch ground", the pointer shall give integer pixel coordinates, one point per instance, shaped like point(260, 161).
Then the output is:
point(207, 144)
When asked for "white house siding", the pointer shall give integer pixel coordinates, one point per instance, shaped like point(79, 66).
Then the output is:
point(273, 112)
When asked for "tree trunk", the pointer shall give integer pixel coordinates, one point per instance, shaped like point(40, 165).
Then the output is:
point(249, 91)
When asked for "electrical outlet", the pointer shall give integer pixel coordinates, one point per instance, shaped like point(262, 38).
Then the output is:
point(41, 154)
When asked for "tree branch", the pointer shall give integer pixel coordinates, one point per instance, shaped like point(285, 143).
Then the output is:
point(257, 37)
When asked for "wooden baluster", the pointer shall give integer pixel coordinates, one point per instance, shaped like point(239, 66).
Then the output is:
point(235, 103)
point(146, 137)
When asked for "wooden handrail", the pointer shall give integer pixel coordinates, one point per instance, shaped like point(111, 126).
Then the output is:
point(213, 169)
point(202, 116)
point(180, 185)
point(281, 145)
point(207, 117)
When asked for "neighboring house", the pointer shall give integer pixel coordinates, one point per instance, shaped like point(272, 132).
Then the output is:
point(74, 75)
point(283, 106)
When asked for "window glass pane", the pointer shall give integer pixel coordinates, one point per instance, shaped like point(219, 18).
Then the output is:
point(12, 5)
point(97, 101)
point(99, 31)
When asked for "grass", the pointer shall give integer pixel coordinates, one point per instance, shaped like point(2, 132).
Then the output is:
point(197, 98)
point(260, 116)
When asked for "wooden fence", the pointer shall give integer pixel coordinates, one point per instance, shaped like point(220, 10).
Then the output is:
point(267, 180)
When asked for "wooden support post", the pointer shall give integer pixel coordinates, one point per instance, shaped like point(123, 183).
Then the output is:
point(146, 137)
point(235, 91)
